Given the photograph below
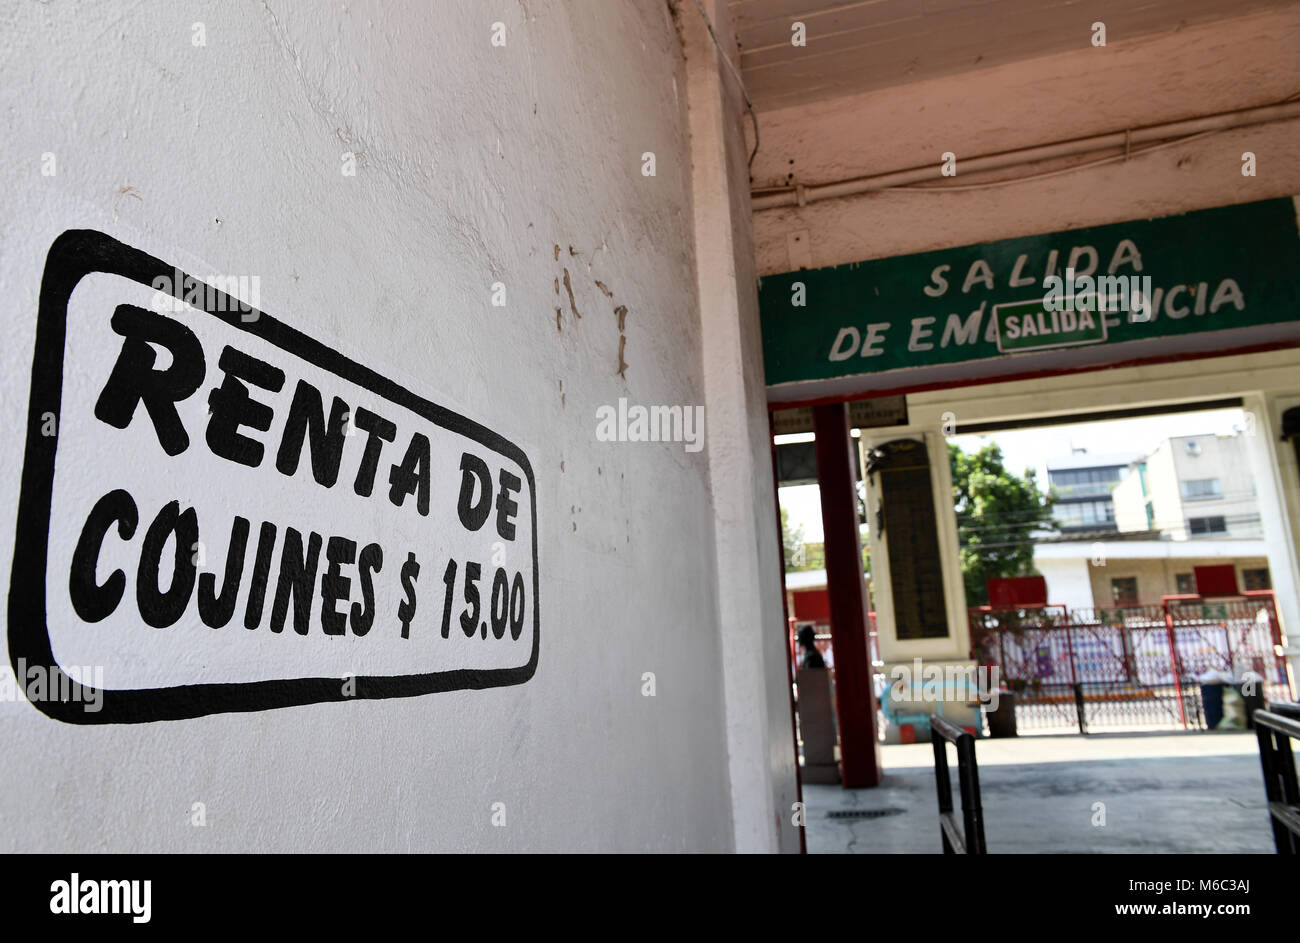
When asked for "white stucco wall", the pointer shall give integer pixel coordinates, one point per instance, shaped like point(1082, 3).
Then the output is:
point(756, 677)
point(1130, 502)
point(1166, 503)
point(1223, 458)
point(1067, 581)
point(473, 163)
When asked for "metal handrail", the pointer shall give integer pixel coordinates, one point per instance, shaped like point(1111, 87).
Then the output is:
point(969, 839)
point(1275, 729)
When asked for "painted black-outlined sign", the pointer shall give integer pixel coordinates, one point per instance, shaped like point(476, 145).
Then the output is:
point(219, 513)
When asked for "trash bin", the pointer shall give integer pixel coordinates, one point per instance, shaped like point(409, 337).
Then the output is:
point(1212, 703)
point(1212, 683)
point(1252, 695)
point(1002, 722)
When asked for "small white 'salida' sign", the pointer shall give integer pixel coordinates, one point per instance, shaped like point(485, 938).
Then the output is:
point(220, 513)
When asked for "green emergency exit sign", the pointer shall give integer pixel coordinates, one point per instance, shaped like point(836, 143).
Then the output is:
point(1211, 270)
point(1030, 325)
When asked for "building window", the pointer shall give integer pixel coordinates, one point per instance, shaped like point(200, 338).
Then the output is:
point(1256, 579)
point(1084, 513)
point(1070, 515)
point(1201, 489)
point(1202, 526)
point(1084, 482)
point(1186, 584)
point(1124, 591)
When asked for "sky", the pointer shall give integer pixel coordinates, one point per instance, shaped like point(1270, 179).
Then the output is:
point(1032, 448)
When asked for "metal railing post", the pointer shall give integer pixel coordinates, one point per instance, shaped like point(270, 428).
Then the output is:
point(971, 838)
point(942, 785)
point(1274, 731)
point(972, 812)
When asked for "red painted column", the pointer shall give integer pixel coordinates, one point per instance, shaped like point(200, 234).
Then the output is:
point(855, 701)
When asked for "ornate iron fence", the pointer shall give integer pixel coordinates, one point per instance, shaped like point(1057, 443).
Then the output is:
point(1128, 665)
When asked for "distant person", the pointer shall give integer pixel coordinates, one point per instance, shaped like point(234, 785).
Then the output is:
point(808, 642)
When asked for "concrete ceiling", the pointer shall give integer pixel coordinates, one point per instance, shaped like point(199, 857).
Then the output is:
point(859, 45)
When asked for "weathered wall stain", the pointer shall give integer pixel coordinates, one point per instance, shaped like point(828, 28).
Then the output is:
point(621, 313)
point(568, 287)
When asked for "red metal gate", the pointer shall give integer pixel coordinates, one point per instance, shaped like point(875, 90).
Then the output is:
point(1134, 665)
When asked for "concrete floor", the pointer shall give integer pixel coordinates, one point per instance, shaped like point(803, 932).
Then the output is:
point(1180, 792)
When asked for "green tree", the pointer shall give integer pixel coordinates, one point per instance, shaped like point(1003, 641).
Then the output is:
point(998, 514)
point(791, 542)
point(802, 555)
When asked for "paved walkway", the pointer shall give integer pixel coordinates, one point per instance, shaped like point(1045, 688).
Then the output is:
point(1165, 792)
